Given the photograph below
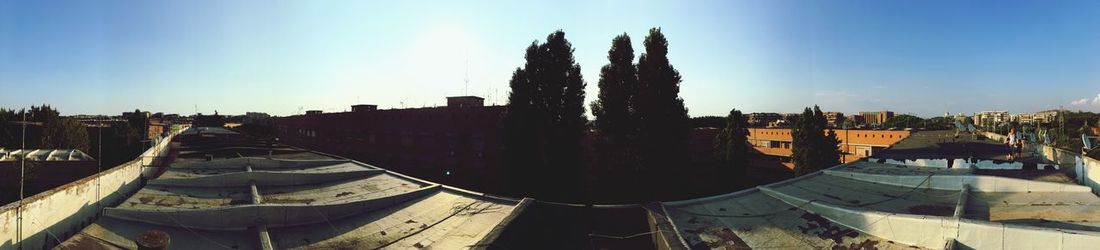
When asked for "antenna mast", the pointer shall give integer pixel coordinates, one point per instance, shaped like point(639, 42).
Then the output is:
point(466, 88)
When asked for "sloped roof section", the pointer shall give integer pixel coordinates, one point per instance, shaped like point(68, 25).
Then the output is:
point(309, 202)
point(874, 205)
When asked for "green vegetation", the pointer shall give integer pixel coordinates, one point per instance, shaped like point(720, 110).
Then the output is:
point(641, 123)
point(708, 122)
point(812, 148)
point(910, 121)
point(545, 122)
point(54, 132)
point(731, 146)
point(615, 118)
point(663, 123)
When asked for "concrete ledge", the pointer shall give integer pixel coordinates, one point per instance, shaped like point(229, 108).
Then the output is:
point(263, 178)
point(258, 163)
point(936, 231)
point(272, 215)
point(494, 233)
point(954, 163)
point(978, 234)
point(978, 183)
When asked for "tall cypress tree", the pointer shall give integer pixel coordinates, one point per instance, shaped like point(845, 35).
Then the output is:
point(545, 121)
point(812, 147)
point(615, 123)
point(664, 125)
point(731, 145)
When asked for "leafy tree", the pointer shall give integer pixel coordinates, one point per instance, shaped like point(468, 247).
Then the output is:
point(812, 148)
point(545, 121)
point(904, 121)
point(663, 121)
point(849, 123)
point(731, 146)
point(53, 132)
point(708, 121)
point(615, 122)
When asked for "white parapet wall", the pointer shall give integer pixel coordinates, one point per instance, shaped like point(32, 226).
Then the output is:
point(1086, 169)
point(956, 163)
point(52, 216)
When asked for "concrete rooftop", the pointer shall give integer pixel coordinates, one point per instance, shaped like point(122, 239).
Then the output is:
point(229, 191)
point(216, 196)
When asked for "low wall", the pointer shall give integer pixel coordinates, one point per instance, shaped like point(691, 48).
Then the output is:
point(50, 217)
point(1085, 169)
point(994, 136)
point(257, 163)
point(263, 178)
point(961, 163)
point(977, 183)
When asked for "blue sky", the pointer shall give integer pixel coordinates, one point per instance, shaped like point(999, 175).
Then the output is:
point(921, 57)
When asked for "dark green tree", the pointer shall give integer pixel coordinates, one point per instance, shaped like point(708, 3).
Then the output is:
point(615, 123)
point(664, 125)
point(904, 121)
point(708, 122)
point(731, 145)
point(545, 122)
point(812, 147)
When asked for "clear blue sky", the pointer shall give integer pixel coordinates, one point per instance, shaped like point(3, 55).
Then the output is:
point(922, 57)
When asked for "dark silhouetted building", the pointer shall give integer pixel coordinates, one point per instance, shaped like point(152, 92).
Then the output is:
point(462, 138)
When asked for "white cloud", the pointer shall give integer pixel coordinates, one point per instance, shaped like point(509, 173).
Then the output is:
point(1085, 101)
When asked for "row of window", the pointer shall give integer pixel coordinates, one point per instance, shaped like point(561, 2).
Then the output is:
point(858, 135)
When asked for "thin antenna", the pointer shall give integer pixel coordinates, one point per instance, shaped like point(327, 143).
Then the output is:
point(467, 79)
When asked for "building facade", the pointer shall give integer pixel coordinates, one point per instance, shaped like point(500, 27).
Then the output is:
point(991, 118)
point(876, 117)
point(462, 138)
point(854, 144)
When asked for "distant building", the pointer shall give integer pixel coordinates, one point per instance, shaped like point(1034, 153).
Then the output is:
point(465, 101)
point(463, 137)
point(257, 118)
point(876, 117)
point(762, 119)
point(363, 108)
point(834, 119)
point(855, 144)
point(1035, 118)
point(991, 118)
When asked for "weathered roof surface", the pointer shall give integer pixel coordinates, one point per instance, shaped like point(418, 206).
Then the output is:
point(225, 193)
point(752, 219)
point(944, 144)
point(213, 200)
point(868, 204)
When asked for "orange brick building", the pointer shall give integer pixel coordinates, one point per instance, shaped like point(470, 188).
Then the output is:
point(854, 144)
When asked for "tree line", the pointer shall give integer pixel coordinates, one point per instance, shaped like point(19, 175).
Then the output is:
point(640, 129)
point(121, 141)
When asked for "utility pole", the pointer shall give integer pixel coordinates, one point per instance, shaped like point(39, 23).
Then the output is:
point(99, 151)
point(22, 171)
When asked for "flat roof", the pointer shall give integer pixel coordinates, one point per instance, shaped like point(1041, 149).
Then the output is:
point(868, 204)
point(225, 193)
